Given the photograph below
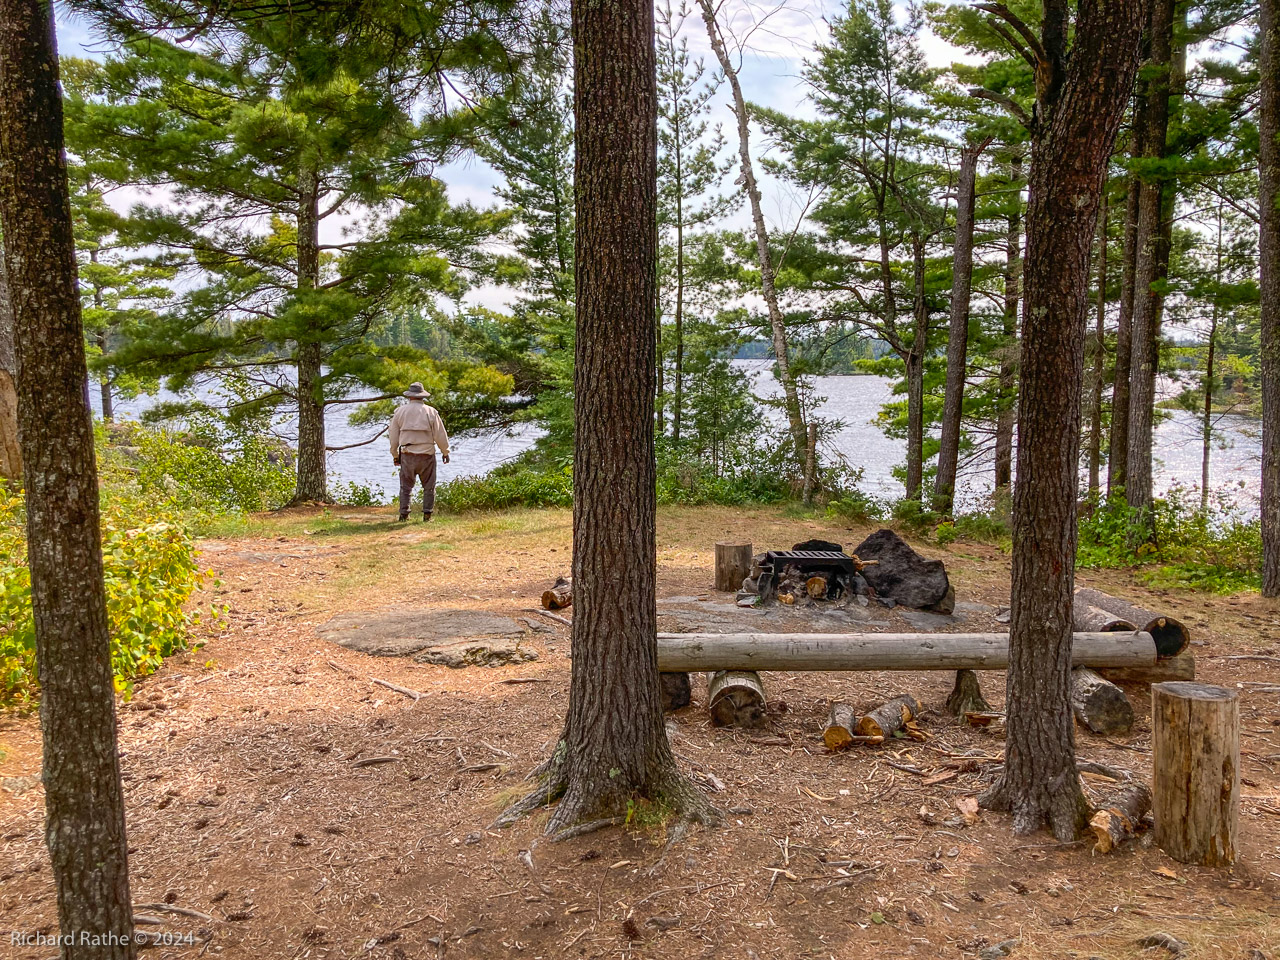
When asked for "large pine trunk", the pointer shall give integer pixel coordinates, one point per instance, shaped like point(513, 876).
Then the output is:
point(944, 487)
point(10, 452)
point(614, 748)
point(1269, 198)
point(1145, 331)
point(312, 486)
point(1009, 351)
point(84, 804)
point(1081, 100)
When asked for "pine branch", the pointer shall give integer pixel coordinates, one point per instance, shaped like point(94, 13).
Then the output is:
point(1010, 105)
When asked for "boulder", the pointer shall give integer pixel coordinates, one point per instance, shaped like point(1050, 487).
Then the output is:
point(821, 545)
point(903, 575)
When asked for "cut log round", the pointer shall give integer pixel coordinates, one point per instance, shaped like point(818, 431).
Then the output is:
point(559, 596)
point(889, 717)
point(735, 698)
point(733, 565)
point(1099, 704)
point(1118, 819)
point(676, 691)
point(966, 696)
point(881, 651)
point(816, 587)
point(839, 732)
point(1181, 667)
point(1170, 635)
point(1196, 757)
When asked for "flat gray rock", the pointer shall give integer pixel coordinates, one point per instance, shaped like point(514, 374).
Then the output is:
point(926, 621)
point(493, 652)
point(404, 632)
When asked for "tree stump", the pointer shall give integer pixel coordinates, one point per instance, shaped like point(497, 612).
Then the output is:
point(1196, 783)
point(733, 564)
point(966, 696)
point(1099, 704)
point(676, 691)
point(735, 698)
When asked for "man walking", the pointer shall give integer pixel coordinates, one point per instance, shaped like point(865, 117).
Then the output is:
point(416, 430)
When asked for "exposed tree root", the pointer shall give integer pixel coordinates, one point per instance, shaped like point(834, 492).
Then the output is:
point(584, 807)
point(1059, 805)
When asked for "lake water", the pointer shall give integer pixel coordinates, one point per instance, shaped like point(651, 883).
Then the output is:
point(855, 401)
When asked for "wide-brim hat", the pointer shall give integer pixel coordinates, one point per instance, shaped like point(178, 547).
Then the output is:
point(416, 392)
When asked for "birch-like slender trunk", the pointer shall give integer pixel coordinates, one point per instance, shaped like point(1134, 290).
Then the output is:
point(944, 487)
point(791, 395)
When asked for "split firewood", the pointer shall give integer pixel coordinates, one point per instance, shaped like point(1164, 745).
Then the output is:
point(888, 718)
point(559, 596)
point(1099, 704)
point(816, 587)
point(966, 696)
point(1118, 820)
point(840, 730)
point(735, 698)
point(976, 718)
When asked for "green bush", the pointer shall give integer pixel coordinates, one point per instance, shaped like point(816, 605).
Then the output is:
point(1214, 548)
point(525, 487)
point(151, 572)
point(352, 494)
point(209, 466)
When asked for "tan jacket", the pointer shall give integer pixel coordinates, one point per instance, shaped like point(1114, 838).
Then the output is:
point(418, 428)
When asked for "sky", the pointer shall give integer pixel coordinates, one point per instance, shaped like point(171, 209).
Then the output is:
point(773, 39)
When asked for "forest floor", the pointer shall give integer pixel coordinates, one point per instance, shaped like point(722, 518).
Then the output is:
point(249, 806)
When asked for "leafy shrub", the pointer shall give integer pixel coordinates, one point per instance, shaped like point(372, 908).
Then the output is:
point(505, 488)
point(210, 466)
point(1214, 549)
point(151, 573)
point(352, 494)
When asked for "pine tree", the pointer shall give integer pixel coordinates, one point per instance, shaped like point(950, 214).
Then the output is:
point(689, 169)
point(84, 800)
point(262, 122)
point(1269, 254)
point(1084, 71)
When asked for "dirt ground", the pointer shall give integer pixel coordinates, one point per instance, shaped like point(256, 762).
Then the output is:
point(250, 807)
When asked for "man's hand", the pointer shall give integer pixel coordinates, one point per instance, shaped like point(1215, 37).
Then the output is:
point(396, 461)
point(446, 458)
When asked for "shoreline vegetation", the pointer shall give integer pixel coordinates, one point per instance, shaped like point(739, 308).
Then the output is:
point(162, 490)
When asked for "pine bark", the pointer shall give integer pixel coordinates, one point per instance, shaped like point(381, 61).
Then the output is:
point(614, 748)
point(777, 325)
point(1145, 331)
point(312, 486)
point(1269, 256)
point(1080, 101)
point(10, 451)
point(944, 487)
point(84, 804)
point(1008, 359)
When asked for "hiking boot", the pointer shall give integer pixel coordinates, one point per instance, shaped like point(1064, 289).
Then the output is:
point(426, 518)
point(402, 518)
